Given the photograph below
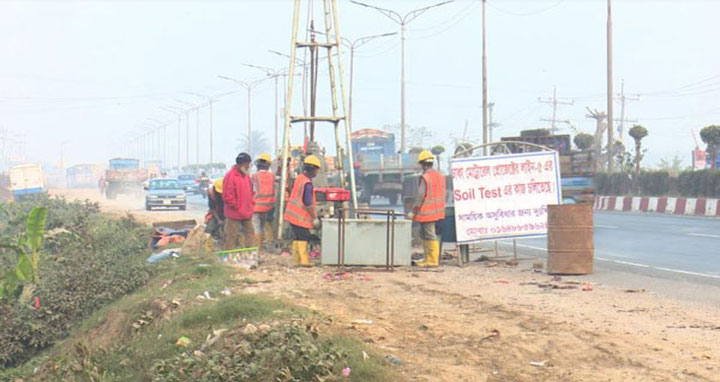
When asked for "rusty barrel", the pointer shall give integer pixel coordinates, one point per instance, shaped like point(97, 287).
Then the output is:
point(570, 239)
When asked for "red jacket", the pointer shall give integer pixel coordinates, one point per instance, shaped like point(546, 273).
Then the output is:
point(238, 195)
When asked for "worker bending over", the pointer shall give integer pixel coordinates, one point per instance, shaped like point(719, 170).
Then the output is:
point(301, 210)
point(264, 196)
point(429, 208)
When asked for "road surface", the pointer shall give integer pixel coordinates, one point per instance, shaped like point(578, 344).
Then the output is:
point(684, 245)
point(675, 256)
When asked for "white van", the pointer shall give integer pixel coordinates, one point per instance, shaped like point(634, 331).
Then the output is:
point(26, 179)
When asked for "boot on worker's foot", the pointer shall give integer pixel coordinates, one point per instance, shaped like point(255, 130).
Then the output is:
point(296, 253)
point(432, 254)
point(303, 254)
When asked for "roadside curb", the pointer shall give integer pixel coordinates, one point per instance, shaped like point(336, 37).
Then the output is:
point(662, 205)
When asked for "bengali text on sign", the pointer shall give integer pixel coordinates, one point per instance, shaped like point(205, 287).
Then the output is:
point(504, 196)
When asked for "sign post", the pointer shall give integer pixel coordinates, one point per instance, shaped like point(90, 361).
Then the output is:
point(504, 196)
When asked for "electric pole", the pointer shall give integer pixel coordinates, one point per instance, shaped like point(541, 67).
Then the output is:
point(623, 99)
point(403, 21)
point(485, 126)
point(611, 142)
point(554, 102)
point(491, 123)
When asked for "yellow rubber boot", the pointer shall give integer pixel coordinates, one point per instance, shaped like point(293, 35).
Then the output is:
point(426, 252)
point(304, 254)
point(432, 254)
point(296, 252)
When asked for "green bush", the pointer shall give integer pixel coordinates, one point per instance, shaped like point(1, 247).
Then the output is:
point(89, 261)
point(288, 352)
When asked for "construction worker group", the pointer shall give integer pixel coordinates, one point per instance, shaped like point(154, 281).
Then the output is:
point(246, 202)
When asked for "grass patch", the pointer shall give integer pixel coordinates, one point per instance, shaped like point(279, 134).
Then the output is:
point(287, 346)
point(232, 309)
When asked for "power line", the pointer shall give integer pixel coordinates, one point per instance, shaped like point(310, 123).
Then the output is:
point(532, 13)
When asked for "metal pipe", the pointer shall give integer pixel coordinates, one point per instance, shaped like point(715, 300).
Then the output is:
point(348, 122)
point(288, 102)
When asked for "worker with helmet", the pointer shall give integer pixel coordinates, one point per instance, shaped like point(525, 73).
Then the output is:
point(215, 217)
point(429, 208)
point(264, 197)
point(239, 206)
point(301, 210)
point(215, 199)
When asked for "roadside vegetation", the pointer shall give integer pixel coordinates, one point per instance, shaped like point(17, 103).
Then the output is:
point(106, 315)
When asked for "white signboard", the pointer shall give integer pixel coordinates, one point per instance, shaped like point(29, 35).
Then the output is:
point(499, 197)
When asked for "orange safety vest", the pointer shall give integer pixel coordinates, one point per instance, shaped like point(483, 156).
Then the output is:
point(296, 213)
point(265, 195)
point(433, 206)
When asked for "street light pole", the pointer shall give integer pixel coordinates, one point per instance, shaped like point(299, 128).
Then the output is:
point(275, 74)
point(352, 45)
point(248, 85)
point(611, 143)
point(484, 80)
point(178, 114)
point(191, 107)
point(402, 21)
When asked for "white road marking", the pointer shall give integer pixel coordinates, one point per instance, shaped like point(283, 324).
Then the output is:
point(606, 226)
point(704, 235)
point(629, 263)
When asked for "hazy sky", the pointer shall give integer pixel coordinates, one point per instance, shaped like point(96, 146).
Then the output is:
point(90, 73)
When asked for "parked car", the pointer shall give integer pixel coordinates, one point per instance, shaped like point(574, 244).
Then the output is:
point(165, 193)
point(188, 183)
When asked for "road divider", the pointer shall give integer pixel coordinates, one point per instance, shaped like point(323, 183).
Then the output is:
point(708, 207)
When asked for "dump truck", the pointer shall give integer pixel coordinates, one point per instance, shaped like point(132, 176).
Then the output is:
point(26, 180)
point(577, 168)
point(380, 170)
point(124, 176)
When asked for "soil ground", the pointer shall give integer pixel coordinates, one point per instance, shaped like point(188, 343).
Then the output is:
point(490, 321)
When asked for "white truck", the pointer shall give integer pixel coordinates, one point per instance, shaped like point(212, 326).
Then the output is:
point(26, 179)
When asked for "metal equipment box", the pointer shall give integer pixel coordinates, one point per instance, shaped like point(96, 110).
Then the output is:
point(365, 242)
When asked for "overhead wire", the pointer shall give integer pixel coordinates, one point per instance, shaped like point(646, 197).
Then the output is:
point(532, 13)
point(446, 25)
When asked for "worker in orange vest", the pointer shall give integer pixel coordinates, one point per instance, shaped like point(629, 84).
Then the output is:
point(264, 196)
point(301, 210)
point(429, 208)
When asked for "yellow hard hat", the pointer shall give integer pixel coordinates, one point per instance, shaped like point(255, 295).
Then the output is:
point(312, 160)
point(266, 157)
point(218, 185)
point(426, 156)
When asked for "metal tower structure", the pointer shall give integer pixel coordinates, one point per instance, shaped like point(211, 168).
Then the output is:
point(332, 47)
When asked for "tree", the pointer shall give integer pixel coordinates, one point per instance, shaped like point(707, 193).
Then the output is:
point(623, 159)
point(415, 150)
point(583, 141)
point(637, 133)
point(462, 148)
point(259, 144)
point(711, 136)
point(673, 167)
